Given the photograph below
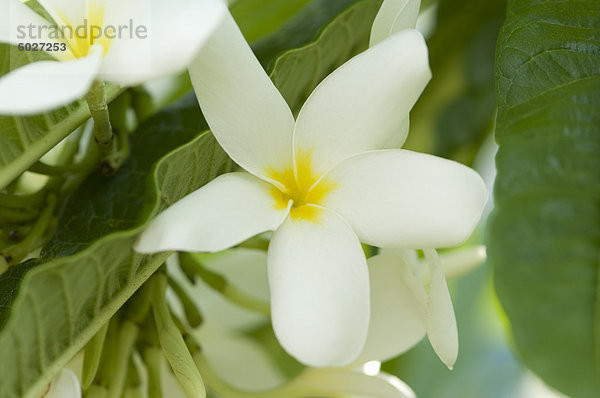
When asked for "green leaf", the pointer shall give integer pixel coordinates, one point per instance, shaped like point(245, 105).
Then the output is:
point(297, 72)
point(299, 30)
point(257, 18)
point(544, 235)
point(9, 285)
point(63, 303)
point(26, 139)
point(465, 121)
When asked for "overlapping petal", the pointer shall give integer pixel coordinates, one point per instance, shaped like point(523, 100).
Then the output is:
point(403, 199)
point(402, 310)
point(319, 290)
point(394, 16)
point(166, 37)
point(15, 18)
point(66, 12)
point(44, 85)
point(398, 308)
point(245, 111)
point(364, 102)
point(440, 321)
point(65, 385)
point(225, 212)
point(397, 139)
point(351, 384)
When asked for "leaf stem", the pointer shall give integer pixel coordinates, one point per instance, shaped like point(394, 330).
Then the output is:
point(172, 342)
point(14, 254)
point(127, 337)
point(192, 314)
point(96, 100)
point(22, 201)
point(120, 150)
point(91, 359)
point(153, 358)
point(40, 167)
point(18, 216)
point(220, 284)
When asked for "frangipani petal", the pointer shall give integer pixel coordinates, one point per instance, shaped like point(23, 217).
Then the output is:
point(398, 308)
point(239, 360)
point(15, 17)
point(348, 383)
point(45, 85)
point(244, 110)
point(319, 290)
point(404, 199)
point(66, 12)
point(463, 260)
point(168, 34)
point(394, 16)
point(65, 385)
point(365, 102)
point(223, 213)
point(441, 322)
point(395, 141)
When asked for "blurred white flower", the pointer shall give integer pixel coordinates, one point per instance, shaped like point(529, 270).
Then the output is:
point(65, 385)
point(322, 183)
point(124, 42)
point(244, 364)
point(238, 359)
point(347, 383)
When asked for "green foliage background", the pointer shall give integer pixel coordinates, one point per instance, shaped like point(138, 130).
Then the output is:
point(528, 70)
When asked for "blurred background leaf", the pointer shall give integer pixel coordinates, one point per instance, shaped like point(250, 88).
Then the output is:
point(297, 72)
point(456, 111)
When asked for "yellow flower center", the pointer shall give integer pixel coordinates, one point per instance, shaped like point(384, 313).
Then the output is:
point(301, 188)
point(81, 37)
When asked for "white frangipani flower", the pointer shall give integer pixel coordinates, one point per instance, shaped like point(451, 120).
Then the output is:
point(65, 385)
point(322, 183)
point(124, 42)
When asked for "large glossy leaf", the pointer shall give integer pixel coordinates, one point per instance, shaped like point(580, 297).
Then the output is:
point(545, 232)
point(23, 140)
